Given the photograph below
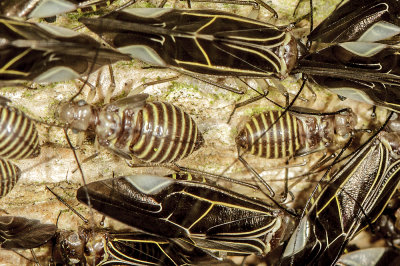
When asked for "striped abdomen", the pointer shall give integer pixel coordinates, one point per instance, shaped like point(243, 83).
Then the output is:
point(9, 175)
point(18, 135)
point(260, 137)
point(164, 133)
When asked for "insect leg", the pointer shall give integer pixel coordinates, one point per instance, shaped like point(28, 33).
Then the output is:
point(244, 103)
point(208, 81)
point(139, 89)
point(254, 172)
point(112, 86)
point(286, 186)
point(255, 3)
point(87, 159)
point(256, 98)
point(278, 85)
point(69, 206)
point(35, 257)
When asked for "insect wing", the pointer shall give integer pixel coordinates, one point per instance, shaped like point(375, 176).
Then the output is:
point(45, 53)
point(38, 9)
point(207, 216)
point(20, 232)
point(355, 17)
point(47, 8)
point(207, 42)
point(134, 102)
point(354, 198)
point(362, 71)
point(147, 249)
point(378, 256)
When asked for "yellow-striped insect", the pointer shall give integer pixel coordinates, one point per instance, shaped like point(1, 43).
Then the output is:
point(19, 139)
point(155, 132)
point(275, 134)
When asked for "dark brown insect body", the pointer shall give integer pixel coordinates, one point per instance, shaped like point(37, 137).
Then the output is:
point(207, 216)
point(107, 247)
point(82, 246)
point(156, 132)
point(294, 134)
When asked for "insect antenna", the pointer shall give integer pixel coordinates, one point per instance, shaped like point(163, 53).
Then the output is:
point(80, 169)
point(127, 4)
point(87, 159)
point(261, 95)
point(67, 205)
point(177, 168)
point(86, 81)
point(35, 257)
point(255, 3)
point(23, 256)
point(210, 82)
point(131, 2)
point(264, 94)
point(246, 102)
point(52, 260)
point(91, 212)
point(143, 86)
point(311, 14)
point(200, 78)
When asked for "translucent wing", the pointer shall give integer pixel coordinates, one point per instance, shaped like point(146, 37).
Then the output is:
point(221, 221)
point(362, 71)
point(353, 18)
point(20, 232)
point(45, 8)
point(35, 52)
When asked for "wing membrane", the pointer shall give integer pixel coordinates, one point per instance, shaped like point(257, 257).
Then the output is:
point(20, 232)
point(206, 216)
point(32, 52)
point(207, 42)
point(353, 18)
point(371, 76)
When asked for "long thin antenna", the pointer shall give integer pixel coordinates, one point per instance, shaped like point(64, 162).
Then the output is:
point(89, 204)
point(35, 257)
point(69, 206)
